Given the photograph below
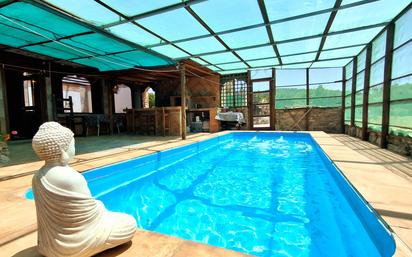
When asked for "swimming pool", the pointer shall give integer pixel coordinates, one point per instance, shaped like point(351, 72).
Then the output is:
point(265, 194)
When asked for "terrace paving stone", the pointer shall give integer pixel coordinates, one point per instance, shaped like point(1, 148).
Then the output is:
point(382, 177)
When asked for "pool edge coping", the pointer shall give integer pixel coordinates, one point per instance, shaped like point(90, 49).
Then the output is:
point(313, 134)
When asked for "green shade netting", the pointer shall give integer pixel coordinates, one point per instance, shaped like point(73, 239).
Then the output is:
point(170, 51)
point(295, 66)
point(261, 73)
point(24, 24)
point(360, 81)
point(143, 59)
point(221, 58)
point(56, 50)
point(279, 9)
point(103, 65)
point(256, 53)
point(349, 70)
point(333, 63)
point(174, 25)
point(299, 58)
point(39, 20)
point(290, 77)
point(377, 70)
point(198, 60)
point(367, 14)
point(16, 37)
point(263, 63)
point(361, 61)
point(351, 38)
point(375, 117)
point(300, 46)
point(313, 25)
point(378, 47)
point(402, 61)
point(232, 72)
point(250, 37)
point(325, 75)
point(376, 94)
point(232, 66)
point(134, 7)
point(177, 23)
point(203, 45)
point(224, 15)
point(401, 88)
point(344, 52)
point(134, 34)
point(403, 31)
point(87, 10)
point(400, 114)
point(98, 43)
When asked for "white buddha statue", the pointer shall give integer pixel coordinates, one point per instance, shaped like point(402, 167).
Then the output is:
point(70, 221)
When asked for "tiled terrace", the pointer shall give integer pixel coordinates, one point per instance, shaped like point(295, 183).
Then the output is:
point(382, 177)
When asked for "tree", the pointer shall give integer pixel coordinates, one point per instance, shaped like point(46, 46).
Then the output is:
point(152, 100)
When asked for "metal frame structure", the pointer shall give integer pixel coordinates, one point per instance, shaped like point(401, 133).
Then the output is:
point(187, 5)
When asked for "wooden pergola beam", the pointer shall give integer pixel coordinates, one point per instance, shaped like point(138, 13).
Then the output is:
point(387, 77)
point(183, 98)
point(342, 122)
point(353, 93)
point(272, 95)
point(366, 86)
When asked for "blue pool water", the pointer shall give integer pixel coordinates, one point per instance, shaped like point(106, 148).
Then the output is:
point(265, 194)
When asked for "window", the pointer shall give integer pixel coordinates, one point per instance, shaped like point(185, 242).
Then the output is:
point(325, 87)
point(29, 93)
point(122, 98)
point(79, 90)
point(348, 92)
point(149, 98)
point(400, 113)
point(360, 88)
point(376, 84)
point(233, 91)
point(290, 88)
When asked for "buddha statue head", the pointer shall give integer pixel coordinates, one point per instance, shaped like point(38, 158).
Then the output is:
point(54, 143)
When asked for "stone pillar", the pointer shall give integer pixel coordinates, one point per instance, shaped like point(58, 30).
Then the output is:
point(4, 121)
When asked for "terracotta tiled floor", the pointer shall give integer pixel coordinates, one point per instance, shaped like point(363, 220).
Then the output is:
point(382, 177)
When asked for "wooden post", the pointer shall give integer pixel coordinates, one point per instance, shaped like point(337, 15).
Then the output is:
point(183, 98)
point(250, 101)
point(4, 121)
point(353, 94)
point(307, 100)
point(366, 92)
point(163, 122)
point(387, 76)
point(272, 95)
point(342, 122)
point(49, 98)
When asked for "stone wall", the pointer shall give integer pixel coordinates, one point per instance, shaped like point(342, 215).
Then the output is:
point(4, 153)
point(318, 119)
point(397, 144)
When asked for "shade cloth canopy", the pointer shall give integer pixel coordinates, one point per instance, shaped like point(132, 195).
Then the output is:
point(225, 36)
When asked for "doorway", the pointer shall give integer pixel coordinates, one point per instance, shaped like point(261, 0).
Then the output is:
point(24, 103)
point(262, 92)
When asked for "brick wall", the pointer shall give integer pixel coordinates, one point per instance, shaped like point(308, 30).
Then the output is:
point(203, 92)
point(319, 118)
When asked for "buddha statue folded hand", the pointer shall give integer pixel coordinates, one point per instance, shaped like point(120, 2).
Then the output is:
point(70, 221)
